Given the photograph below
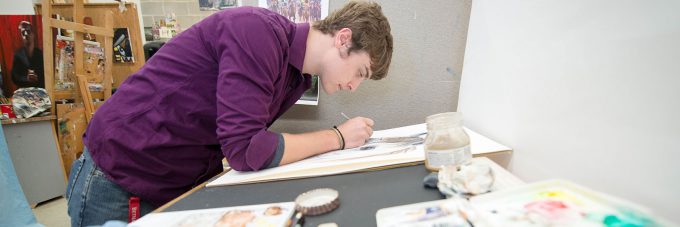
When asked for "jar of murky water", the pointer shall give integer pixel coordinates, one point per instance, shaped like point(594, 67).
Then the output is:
point(446, 142)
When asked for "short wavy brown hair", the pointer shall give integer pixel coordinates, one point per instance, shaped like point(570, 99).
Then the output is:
point(370, 32)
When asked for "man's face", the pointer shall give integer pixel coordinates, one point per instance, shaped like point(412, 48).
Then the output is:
point(344, 71)
point(25, 33)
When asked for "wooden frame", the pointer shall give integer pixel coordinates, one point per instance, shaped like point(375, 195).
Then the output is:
point(87, 97)
point(108, 15)
point(79, 30)
point(121, 19)
point(48, 56)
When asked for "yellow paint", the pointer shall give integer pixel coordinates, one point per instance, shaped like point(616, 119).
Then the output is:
point(560, 195)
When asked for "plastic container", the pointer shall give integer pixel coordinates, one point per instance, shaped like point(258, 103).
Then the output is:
point(446, 142)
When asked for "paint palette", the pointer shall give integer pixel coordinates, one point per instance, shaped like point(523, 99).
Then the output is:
point(559, 203)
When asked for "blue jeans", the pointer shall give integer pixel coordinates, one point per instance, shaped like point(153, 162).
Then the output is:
point(93, 199)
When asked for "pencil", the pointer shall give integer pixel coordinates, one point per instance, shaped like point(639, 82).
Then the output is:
point(344, 115)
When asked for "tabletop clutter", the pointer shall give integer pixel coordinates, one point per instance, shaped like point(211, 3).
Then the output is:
point(467, 185)
point(546, 203)
point(26, 103)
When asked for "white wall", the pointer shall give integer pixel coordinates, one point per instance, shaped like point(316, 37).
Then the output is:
point(583, 90)
point(16, 7)
point(429, 45)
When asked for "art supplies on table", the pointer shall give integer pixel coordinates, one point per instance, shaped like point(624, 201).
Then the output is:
point(273, 214)
point(6, 108)
point(472, 178)
point(447, 212)
point(446, 142)
point(397, 146)
point(560, 203)
point(7, 111)
point(317, 201)
point(30, 101)
point(551, 203)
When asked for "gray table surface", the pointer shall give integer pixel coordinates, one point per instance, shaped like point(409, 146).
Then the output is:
point(361, 194)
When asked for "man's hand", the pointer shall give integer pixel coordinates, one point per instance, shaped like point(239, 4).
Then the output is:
point(300, 146)
point(356, 131)
point(30, 75)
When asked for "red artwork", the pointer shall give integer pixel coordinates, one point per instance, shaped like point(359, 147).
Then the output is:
point(21, 59)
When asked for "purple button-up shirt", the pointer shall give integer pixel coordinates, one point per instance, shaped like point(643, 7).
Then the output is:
point(211, 92)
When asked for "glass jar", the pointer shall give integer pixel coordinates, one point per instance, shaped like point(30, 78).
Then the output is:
point(446, 142)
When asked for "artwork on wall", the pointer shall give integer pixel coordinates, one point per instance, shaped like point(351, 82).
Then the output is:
point(21, 58)
point(214, 5)
point(301, 11)
point(311, 95)
point(298, 10)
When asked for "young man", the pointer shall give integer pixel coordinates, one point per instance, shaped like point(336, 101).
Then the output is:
point(212, 92)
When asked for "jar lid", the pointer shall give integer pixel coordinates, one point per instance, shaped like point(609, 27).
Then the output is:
point(317, 201)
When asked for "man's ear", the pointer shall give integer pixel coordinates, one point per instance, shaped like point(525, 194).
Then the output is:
point(343, 38)
point(343, 41)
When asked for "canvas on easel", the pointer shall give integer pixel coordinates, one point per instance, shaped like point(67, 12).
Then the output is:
point(64, 71)
point(122, 50)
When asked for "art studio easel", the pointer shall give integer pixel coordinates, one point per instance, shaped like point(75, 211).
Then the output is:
point(105, 18)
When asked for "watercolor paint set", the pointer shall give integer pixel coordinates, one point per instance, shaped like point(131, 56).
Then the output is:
point(551, 203)
point(560, 203)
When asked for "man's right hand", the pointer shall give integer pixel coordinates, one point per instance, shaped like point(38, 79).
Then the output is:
point(300, 146)
point(356, 131)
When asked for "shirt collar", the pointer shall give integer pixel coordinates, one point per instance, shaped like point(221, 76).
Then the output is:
point(296, 52)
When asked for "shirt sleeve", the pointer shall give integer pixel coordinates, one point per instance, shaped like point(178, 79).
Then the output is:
point(250, 50)
point(278, 155)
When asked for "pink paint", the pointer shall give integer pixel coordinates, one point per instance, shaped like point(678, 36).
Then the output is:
point(552, 210)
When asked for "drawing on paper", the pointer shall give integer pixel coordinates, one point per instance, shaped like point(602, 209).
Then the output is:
point(275, 214)
point(374, 147)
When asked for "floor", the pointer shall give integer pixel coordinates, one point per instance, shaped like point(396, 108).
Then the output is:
point(52, 213)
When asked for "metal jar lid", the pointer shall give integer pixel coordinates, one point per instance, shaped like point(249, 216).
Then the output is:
point(317, 201)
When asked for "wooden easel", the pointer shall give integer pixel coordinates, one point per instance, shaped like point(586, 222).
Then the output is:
point(81, 92)
point(74, 116)
point(121, 19)
point(79, 30)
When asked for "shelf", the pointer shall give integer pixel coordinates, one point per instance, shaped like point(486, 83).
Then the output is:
point(26, 120)
point(59, 95)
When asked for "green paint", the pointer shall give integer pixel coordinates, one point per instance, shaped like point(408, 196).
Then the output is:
point(627, 219)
